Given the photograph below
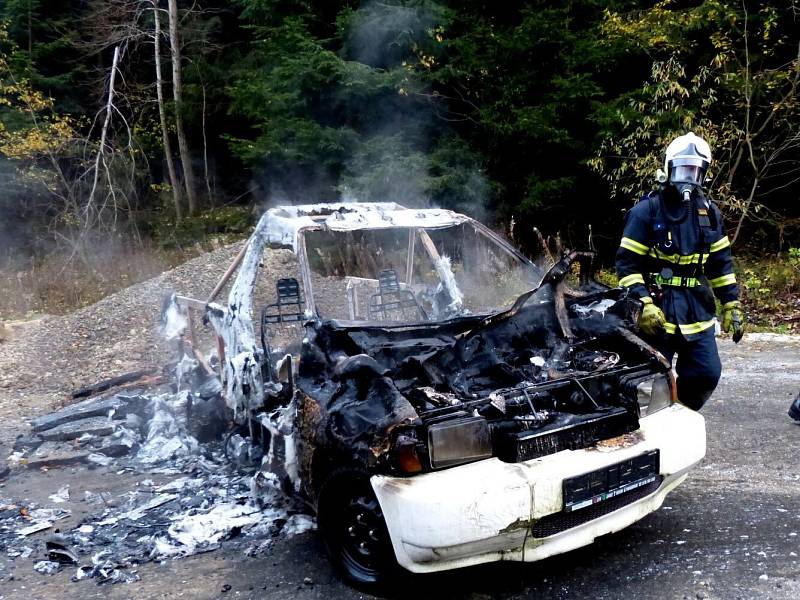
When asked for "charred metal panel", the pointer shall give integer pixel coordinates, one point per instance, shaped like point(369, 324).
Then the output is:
point(539, 391)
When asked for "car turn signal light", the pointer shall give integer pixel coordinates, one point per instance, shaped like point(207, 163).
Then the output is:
point(406, 455)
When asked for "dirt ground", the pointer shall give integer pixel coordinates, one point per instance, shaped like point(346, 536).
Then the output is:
point(731, 531)
point(44, 359)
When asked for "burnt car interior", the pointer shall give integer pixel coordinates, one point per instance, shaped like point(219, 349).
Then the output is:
point(413, 275)
point(285, 314)
point(390, 302)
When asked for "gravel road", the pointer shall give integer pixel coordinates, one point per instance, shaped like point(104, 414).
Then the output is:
point(731, 531)
point(48, 358)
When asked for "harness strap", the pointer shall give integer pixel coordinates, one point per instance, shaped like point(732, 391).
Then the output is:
point(675, 281)
point(706, 220)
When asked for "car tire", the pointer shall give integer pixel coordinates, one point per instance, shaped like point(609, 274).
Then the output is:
point(354, 530)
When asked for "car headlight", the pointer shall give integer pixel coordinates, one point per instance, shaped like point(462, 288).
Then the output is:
point(459, 441)
point(655, 393)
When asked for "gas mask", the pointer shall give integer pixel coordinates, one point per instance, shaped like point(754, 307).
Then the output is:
point(686, 163)
point(686, 178)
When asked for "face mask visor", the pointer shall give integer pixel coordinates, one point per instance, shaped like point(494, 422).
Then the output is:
point(691, 174)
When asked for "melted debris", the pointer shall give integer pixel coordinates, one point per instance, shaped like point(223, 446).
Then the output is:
point(213, 492)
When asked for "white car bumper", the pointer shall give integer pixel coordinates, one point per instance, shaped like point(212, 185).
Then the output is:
point(484, 511)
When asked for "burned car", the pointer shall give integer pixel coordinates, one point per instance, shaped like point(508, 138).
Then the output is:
point(438, 398)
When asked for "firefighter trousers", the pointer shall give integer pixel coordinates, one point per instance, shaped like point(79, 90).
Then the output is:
point(698, 365)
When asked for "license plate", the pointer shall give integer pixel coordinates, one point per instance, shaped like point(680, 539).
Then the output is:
point(606, 483)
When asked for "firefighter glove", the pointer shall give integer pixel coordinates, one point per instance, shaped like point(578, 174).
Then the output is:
point(733, 319)
point(652, 320)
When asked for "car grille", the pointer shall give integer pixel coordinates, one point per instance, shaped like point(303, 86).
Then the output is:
point(558, 522)
point(583, 431)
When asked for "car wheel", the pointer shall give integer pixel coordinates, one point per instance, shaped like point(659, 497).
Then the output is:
point(354, 530)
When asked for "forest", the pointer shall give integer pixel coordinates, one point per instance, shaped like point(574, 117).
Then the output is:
point(147, 128)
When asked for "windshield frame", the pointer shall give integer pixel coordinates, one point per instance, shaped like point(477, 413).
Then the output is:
point(500, 241)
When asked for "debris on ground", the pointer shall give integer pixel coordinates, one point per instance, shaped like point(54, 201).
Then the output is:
point(107, 384)
point(62, 495)
point(58, 550)
point(47, 567)
point(117, 405)
point(207, 493)
point(38, 519)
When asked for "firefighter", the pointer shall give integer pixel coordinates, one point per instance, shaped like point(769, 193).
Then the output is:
point(675, 257)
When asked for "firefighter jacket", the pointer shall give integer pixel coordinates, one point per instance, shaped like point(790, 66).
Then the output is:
point(677, 265)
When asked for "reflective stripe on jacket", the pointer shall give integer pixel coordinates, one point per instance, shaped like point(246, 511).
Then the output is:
point(685, 260)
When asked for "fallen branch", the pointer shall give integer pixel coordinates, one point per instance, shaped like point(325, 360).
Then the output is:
point(113, 382)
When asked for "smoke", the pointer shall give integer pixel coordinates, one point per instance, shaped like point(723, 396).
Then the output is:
point(382, 34)
point(394, 141)
point(23, 236)
point(391, 163)
point(410, 156)
point(388, 169)
point(19, 208)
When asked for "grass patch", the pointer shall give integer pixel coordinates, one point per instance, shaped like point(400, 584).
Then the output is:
point(57, 283)
point(228, 223)
point(53, 285)
point(770, 290)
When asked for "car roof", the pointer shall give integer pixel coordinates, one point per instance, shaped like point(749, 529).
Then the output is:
point(280, 225)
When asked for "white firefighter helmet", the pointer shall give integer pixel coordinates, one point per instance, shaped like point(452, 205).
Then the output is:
point(687, 160)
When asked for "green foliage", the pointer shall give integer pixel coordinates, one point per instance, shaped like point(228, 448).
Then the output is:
point(319, 99)
point(457, 177)
point(518, 83)
point(770, 286)
point(728, 71)
point(553, 112)
point(482, 108)
point(43, 34)
point(224, 224)
point(33, 137)
point(607, 277)
point(386, 169)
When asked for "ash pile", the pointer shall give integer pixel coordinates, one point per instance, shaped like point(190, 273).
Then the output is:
point(195, 482)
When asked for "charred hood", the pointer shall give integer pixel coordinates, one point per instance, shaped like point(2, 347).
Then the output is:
point(471, 357)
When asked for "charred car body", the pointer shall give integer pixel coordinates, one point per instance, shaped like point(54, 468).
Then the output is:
point(438, 398)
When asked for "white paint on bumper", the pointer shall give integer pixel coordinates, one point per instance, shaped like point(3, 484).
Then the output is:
point(482, 512)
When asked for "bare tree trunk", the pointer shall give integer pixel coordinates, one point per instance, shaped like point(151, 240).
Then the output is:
point(30, 32)
point(104, 133)
point(177, 94)
point(205, 151)
point(746, 209)
point(173, 178)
